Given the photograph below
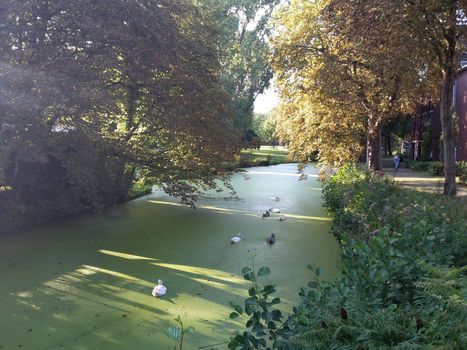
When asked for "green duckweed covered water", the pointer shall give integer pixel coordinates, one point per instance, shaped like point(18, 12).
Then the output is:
point(86, 283)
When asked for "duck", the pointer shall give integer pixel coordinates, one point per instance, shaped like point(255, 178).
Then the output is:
point(237, 238)
point(274, 210)
point(276, 198)
point(282, 217)
point(266, 214)
point(271, 239)
point(159, 290)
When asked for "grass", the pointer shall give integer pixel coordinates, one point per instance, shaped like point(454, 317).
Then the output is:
point(253, 157)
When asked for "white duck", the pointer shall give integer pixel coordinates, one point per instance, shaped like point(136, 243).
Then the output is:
point(159, 290)
point(276, 198)
point(282, 217)
point(237, 238)
point(274, 210)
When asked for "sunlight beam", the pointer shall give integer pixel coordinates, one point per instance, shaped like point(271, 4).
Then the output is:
point(124, 255)
point(279, 174)
point(244, 212)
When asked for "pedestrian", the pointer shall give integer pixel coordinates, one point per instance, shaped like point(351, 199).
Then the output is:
point(396, 161)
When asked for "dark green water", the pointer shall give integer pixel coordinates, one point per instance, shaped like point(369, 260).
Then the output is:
point(86, 283)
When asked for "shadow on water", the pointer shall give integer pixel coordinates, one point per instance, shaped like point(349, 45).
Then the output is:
point(86, 283)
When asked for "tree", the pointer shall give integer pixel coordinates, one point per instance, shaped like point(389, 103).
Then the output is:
point(441, 27)
point(345, 65)
point(92, 91)
point(398, 127)
point(265, 126)
point(243, 45)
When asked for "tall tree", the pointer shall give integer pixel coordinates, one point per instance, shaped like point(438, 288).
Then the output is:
point(138, 82)
point(441, 27)
point(243, 45)
point(348, 64)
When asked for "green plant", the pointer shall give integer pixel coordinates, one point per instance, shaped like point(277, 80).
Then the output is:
point(264, 325)
point(436, 168)
point(403, 279)
point(462, 171)
point(418, 165)
point(178, 332)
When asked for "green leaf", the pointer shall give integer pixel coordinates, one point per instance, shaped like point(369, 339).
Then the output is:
point(269, 289)
point(246, 270)
point(234, 315)
point(251, 301)
point(319, 271)
point(275, 301)
point(250, 276)
point(236, 307)
point(276, 315)
point(264, 271)
point(291, 323)
point(236, 341)
point(174, 332)
point(249, 309)
point(336, 332)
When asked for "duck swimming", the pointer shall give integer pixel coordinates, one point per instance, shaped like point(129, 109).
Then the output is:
point(274, 210)
point(266, 214)
point(237, 238)
point(276, 198)
point(282, 218)
point(271, 239)
point(159, 290)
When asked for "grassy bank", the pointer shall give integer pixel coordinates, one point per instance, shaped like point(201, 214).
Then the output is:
point(252, 157)
point(403, 283)
point(138, 190)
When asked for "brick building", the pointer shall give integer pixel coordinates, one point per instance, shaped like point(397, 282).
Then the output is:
point(425, 135)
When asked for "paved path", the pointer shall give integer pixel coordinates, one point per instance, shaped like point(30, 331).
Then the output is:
point(422, 181)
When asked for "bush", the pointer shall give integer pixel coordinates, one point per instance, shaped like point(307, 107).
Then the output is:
point(418, 165)
point(437, 168)
point(138, 190)
point(251, 158)
point(462, 171)
point(403, 283)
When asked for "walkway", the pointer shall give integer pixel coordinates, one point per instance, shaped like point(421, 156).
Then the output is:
point(422, 181)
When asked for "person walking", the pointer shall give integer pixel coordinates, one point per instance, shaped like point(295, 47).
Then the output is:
point(396, 161)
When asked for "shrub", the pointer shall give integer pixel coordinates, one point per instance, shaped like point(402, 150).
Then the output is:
point(403, 282)
point(462, 171)
point(436, 168)
point(138, 189)
point(418, 165)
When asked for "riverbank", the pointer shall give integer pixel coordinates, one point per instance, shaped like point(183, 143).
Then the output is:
point(247, 158)
point(403, 281)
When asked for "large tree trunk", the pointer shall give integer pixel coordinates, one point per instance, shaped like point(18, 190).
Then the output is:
point(448, 137)
point(373, 146)
point(447, 105)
